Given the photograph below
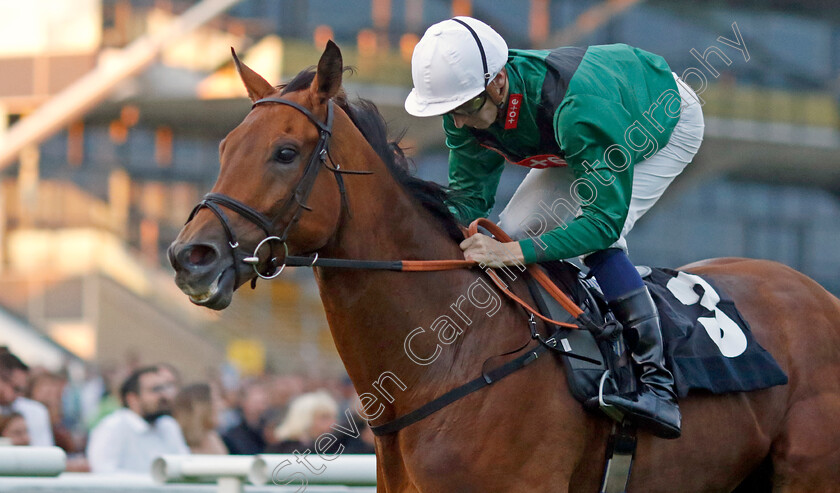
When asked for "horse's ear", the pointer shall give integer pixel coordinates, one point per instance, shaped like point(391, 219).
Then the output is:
point(257, 87)
point(327, 80)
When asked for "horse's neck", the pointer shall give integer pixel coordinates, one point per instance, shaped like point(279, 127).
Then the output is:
point(370, 309)
point(371, 313)
point(383, 220)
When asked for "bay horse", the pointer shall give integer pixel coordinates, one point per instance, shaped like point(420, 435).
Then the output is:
point(523, 433)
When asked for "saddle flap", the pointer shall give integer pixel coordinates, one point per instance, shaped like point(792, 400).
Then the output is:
point(576, 341)
point(583, 377)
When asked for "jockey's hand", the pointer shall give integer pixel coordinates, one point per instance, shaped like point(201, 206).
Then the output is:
point(485, 250)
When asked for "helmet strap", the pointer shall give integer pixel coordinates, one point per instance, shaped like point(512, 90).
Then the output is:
point(487, 74)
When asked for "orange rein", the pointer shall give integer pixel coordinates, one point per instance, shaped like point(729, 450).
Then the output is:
point(534, 270)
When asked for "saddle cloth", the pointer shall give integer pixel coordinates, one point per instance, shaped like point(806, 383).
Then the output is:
point(708, 345)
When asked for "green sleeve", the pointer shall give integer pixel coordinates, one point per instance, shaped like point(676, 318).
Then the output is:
point(474, 173)
point(585, 126)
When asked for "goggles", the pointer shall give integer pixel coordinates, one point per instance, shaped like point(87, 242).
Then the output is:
point(472, 106)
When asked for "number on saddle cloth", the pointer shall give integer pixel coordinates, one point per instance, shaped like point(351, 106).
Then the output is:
point(722, 330)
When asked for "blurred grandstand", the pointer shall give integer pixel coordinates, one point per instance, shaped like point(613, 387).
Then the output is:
point(91, 198)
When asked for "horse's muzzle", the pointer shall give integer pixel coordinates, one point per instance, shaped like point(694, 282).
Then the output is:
point(201, 274)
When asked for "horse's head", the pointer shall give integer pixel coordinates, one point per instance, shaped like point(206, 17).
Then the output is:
point(269, 198)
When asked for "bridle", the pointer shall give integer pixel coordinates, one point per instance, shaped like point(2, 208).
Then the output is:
point(296, 201)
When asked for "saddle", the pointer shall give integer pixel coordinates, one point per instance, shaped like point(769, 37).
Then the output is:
point(708, 345)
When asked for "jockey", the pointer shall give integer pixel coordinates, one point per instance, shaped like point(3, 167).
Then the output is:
point(616, 116)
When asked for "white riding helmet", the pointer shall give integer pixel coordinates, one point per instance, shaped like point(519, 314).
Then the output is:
point(452, 63)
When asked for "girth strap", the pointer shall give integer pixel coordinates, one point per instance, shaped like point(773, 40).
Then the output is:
point(484, 380)
point(457, 393)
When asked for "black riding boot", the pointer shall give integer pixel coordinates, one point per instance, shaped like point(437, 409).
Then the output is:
point(654, 406)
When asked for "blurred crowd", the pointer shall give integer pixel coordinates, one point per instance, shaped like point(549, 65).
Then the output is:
point(122, 418)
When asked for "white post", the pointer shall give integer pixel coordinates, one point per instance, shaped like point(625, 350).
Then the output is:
point(201, 468)
point(230, 485)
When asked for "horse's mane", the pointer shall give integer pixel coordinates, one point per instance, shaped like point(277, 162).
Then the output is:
point(370, 122)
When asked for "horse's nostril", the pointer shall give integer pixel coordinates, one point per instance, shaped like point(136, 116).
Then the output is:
point(199, 255)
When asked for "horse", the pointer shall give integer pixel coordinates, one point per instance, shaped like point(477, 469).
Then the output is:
point(525, 432)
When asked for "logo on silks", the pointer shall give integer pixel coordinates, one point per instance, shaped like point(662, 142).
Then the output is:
point(512, 117)
point(543, 161)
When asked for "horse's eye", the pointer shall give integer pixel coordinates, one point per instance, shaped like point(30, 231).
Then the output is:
point(285, 155)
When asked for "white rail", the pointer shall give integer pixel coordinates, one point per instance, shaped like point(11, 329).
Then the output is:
point(70, 482)
point(32, 461)
point(355, 470)
point(191, 473)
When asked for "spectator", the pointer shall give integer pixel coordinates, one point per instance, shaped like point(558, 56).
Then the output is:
point(13, 428)
point(284, 388)
point(310, 415)
point(112, 378)
point(15, 375)
point(92, 390)
point(196, 410)
point(270, 420)
point(130, 438)
point(172, 379)
point(48, 389)
point(8, 392)
point(246, 437)
point(347, 396)
point(362, 444)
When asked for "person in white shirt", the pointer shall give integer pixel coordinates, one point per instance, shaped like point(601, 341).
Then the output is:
point(130, 438)
point(14, 377)
point(37, 419)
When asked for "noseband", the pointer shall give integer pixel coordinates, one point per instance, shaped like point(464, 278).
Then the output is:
point(215, 201)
